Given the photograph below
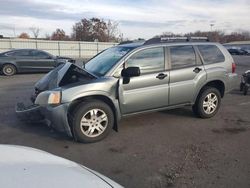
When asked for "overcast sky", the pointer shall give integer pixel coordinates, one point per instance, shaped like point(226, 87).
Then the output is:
point(137, 18)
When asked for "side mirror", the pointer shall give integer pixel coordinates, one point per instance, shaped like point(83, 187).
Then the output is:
point(131, 72)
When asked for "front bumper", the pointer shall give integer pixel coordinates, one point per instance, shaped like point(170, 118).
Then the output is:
point(54, 116)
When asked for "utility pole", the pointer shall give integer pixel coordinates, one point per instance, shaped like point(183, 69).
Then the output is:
point(211, 25)
point(14, 31)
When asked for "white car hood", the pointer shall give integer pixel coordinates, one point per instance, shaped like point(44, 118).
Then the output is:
point(25, 167)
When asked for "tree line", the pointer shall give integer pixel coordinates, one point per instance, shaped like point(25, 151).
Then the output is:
point(93, 29)
point(96, 29)
point(214, 36)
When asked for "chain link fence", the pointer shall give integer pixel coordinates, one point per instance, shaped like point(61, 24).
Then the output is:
point(75, 49)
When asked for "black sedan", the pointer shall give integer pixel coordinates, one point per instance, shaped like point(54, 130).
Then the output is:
point(29, 60)
point(235, 51)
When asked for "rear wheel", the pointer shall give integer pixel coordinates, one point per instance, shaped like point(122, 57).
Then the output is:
point(241, 86)
point(92, 121)
point(9, 69)
point(245, 90)
point(207, 103)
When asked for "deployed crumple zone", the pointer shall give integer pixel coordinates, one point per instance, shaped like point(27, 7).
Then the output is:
point(129, 79)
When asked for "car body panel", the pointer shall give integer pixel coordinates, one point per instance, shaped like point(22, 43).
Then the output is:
point(144, 92)
point(184, 84)
point(26, 167)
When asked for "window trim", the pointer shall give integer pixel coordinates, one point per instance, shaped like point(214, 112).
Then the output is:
point(187, 66)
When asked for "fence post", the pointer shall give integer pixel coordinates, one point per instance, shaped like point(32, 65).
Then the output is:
point(10, 44)
point(58, 45)
point(97, 47)
point(80, 53)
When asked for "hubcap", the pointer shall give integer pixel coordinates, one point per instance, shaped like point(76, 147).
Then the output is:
point(94, 122)
point(8, 70)
point(210, 103)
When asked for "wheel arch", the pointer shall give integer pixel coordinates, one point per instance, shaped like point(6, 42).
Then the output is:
point(218, 84)
point(74, 104)
point(8, 63)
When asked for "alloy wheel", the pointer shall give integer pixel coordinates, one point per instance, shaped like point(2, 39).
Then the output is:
point(94, 122)
point(210, 103)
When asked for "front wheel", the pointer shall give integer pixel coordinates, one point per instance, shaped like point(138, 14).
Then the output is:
point(92, 121)
point(207, 103)
point(245, 89)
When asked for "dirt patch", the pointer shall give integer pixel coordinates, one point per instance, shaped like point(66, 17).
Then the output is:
point(193, 158)
point(230, 130)
point(238, 121)
point(117, 149)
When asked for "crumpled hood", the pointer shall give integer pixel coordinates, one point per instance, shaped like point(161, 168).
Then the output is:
point(62, 75)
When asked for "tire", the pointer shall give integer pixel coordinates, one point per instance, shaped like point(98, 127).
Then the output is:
point(207, 103)
point(9, 70)
point(245, 90)
point(92, 121)
point(241, 86)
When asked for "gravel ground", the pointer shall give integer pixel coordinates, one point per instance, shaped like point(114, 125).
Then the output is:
point(162, 149)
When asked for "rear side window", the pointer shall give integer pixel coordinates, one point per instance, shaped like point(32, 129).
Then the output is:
point(182, 56)
point(39, 54)
point(18, 53)
point(211, 54)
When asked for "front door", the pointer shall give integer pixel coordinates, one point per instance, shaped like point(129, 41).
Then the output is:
point(42, 61)
point(150, 89)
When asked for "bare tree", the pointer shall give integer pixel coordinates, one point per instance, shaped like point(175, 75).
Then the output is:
point(113, 32)
point(59, 34)
point(35, 31)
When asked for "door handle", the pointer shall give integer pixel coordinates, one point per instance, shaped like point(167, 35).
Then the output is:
point(161, 76)
point(197, 70)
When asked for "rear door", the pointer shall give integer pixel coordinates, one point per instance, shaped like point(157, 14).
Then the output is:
point(150, 89)
point(22, 59)
point(186, 73)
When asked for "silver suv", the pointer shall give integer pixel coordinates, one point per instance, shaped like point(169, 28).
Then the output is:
point(133, 78)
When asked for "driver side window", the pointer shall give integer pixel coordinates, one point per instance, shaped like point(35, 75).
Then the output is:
point(148, 60)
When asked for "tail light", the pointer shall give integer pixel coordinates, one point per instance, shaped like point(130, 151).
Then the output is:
point(233, 67)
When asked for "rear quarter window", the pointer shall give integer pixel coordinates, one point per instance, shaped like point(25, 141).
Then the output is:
point(211, 54)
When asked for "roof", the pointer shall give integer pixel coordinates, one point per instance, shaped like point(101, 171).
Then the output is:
point(163, 40)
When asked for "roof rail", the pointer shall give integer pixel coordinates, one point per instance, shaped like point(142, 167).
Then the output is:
point(157, 40)
point(131, 41)
point(125, 42)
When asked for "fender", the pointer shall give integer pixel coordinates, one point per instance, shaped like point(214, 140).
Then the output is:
point(101, 95)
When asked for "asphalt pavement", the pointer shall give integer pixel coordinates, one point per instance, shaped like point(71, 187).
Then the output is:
point(162, 149)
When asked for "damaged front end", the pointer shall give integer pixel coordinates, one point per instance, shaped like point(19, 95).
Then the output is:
point(46, 105)
point(29, 113)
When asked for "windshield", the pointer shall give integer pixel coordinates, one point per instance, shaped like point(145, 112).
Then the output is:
point(103, 62)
